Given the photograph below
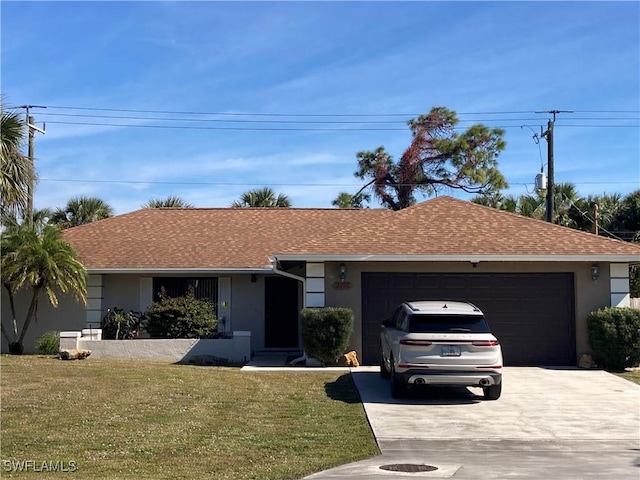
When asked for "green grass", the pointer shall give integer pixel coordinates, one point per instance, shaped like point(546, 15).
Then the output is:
point(137, 420)
point(632, 376)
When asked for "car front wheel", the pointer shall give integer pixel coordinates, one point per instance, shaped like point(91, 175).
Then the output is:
point(493, 392)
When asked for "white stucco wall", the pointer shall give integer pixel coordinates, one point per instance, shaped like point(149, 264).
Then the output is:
point(236, 349)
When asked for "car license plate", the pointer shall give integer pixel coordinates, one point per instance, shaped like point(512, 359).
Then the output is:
point(450, 351)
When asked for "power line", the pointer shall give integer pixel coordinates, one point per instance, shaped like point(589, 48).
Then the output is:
point(247, 128)
point(194, 127)
point(604, 183)
point(598, 126)
point(153, 182)
point(607, 111)
point(260, 114)
point(220, 120)
point(274, 114)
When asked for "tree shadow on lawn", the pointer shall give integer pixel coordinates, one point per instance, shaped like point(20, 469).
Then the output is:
point(343, 389)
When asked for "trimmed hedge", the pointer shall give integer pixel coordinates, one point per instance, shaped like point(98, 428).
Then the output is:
point(181, 317)
point(614, 336)
point(326, 332)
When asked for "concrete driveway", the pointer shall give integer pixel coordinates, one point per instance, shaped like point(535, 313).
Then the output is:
point(548, 424)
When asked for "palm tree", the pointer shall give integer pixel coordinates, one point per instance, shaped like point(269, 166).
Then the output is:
point(531, 206)
point(565, 196)
point(346, 200)
point(498, 201)
point(262, 197)
point(40, 218)
point(525, 205)
point(510, 203)
point(81, 210)
point(610, 208)
point(629, 216)
point(16, 172)
point(493, 200)
point(168, 202)
point(38, 260)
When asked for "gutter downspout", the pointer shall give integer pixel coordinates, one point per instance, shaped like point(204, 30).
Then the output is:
point(276, 269)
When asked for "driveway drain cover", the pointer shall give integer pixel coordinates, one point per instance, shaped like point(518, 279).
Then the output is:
point(408, 467)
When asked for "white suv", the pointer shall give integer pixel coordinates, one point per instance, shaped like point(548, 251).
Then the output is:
point(440, 343)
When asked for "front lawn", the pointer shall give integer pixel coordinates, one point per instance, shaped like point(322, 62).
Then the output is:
point(631, 375)
point(136, 419)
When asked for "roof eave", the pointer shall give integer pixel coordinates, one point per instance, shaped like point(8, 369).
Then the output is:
point(268, 269)
point(180, 271)
point(617, 258)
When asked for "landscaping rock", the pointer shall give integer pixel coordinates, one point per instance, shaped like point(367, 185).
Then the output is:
point(586, 361)
point(74, 354)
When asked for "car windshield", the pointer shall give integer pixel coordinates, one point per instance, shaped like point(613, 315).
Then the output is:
point(448, 324)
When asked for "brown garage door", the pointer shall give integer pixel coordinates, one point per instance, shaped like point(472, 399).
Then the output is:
point(532, 314)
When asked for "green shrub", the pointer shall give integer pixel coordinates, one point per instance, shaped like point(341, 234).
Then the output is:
point(326, 332)
point(181, 317)
point(48, 343)
point(614, 336)
point(634, 277)
point(118, 325)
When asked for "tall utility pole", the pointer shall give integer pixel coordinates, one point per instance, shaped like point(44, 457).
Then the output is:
point(549, 136)
point(31, 127)
point(550, 184)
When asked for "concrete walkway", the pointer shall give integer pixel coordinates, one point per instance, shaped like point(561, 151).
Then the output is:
point(548, 424)
point(265, 363)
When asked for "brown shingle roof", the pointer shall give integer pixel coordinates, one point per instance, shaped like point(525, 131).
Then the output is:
point(244, 238)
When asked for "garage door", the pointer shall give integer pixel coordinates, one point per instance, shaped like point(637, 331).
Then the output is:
point(531, 314)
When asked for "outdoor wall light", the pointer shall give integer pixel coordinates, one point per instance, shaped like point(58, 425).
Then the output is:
point(343, 272)
point(595, 272)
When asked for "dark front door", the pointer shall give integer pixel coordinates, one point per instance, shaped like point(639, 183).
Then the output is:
point(281, 312)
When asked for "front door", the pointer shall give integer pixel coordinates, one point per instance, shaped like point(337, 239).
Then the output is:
point(281, 312)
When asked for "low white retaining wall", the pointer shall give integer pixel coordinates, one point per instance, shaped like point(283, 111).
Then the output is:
point(236, 349)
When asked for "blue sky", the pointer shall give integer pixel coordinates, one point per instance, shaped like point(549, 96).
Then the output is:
point(302, 63)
